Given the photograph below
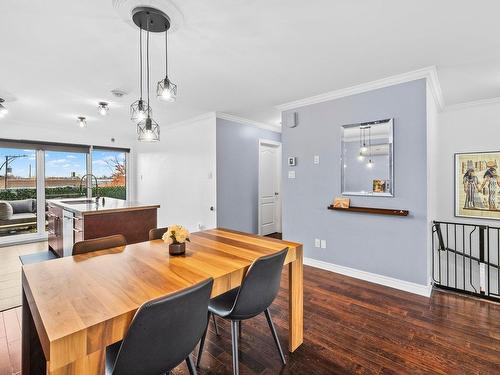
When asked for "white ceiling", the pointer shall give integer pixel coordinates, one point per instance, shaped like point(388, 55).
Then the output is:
point(58, 58)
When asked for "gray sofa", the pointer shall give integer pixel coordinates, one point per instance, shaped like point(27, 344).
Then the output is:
point(17, 214)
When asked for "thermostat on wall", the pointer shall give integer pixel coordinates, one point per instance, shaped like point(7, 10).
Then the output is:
point(292, 161)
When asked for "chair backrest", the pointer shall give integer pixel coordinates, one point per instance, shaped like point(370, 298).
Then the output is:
point(164, 332)
point(101, 243)
point(259, 287)
point(157, 233)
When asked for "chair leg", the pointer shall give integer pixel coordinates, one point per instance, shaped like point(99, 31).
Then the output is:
point(202, 342)
point(215, 325)
point(190, 365)
point(234, 341)
point(275, 335)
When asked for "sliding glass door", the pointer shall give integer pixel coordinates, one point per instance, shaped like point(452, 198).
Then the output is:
point(110, 168)
point(63, 174)
point(32, 173)
point(18, 191)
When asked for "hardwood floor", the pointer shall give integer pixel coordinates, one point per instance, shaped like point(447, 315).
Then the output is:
point(351, 326)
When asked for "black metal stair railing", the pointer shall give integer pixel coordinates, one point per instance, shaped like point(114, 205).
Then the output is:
point(466, 258)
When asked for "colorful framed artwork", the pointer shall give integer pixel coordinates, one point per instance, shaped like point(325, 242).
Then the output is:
point(477, 185)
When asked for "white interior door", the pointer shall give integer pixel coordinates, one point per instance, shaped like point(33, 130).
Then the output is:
point(269, 187)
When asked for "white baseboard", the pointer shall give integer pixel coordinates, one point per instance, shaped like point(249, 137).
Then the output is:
point(407, 286)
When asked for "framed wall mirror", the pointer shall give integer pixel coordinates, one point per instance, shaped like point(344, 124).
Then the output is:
point(367, 159)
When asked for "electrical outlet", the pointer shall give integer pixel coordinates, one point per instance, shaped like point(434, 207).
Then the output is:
point(316, 159)
point(317, 242)
point(291, 174)
point(323, 244)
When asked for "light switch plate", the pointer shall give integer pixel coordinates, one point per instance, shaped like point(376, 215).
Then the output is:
point(291, 174)
point(323, 244)
point(317, 242)
point(316, 159)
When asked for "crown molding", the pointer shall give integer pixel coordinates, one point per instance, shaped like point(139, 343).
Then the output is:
point(471, 104)
point(192, 120)
point(244, 121)
point(428, 73)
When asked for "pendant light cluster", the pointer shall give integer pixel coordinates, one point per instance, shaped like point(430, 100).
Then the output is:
point(150, 20)
point(365, 145)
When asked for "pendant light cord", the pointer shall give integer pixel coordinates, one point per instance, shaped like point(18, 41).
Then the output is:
point(147, 60)
point(166, 53)
point(140, 57)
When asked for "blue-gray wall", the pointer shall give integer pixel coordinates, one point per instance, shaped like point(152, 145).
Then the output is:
point(238, 174)
point(385, 245)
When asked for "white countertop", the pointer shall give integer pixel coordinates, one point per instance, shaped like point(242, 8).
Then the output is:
point(86, 206)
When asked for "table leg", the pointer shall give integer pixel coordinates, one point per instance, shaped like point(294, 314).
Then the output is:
point(296, 302)
point(33, 359)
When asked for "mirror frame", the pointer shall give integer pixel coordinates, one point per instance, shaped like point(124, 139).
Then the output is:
point(388, 194)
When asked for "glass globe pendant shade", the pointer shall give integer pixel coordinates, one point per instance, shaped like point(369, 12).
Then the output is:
point(166, 90)
point(139, 110)
point(148, 130)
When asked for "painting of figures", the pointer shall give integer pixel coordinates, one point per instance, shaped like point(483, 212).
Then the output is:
point(477, 185)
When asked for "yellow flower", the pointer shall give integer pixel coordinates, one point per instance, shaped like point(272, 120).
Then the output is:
point(176, 234)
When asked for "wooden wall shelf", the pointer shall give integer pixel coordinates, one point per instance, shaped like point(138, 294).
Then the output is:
point(372, 210)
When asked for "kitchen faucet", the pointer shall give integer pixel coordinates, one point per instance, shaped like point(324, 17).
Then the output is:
point(96, 186)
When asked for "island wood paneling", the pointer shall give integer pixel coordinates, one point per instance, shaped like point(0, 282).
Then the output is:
point(81, 304)
point(133, 224)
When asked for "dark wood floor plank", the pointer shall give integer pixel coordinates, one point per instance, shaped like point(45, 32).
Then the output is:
point(351, 327)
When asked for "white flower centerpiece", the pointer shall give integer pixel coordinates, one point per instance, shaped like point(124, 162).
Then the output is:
point(176, 237)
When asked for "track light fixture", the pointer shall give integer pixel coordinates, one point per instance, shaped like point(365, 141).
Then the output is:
point(103, 108)
point(3, 110)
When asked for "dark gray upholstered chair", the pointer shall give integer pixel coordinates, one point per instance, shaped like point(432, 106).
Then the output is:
point(162, 334)
point(256, 293)
point(95, 244)
point(157, 233)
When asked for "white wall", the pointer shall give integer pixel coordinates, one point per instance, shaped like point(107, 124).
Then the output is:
point(179, 173)
point(467, 129)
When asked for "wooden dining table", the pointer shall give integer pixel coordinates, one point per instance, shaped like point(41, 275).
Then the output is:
point(74, 307)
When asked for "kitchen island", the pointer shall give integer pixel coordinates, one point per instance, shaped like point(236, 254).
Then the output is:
point(78, 219)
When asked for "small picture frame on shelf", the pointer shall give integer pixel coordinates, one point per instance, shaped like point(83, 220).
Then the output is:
point(379, 186)
point(341, 202)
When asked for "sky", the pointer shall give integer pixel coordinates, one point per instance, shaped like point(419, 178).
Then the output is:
point(59, 163)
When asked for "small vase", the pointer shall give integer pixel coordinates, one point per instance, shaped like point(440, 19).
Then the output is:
point(177, 248)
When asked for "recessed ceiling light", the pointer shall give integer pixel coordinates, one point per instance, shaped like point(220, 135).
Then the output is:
point(82, 121)
point(103, 108)
point(3, 110)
